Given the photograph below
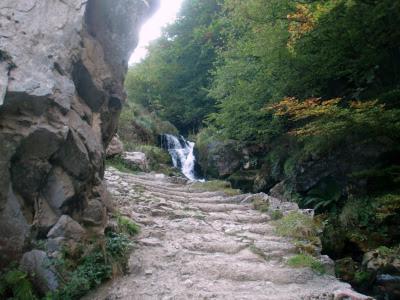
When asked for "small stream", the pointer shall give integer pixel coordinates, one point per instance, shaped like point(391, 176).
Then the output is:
point(182, 154)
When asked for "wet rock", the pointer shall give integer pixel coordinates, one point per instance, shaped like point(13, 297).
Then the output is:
point(382, 260)
point(115, 147)
point(346, 269)
point(388, 285)
point(68, 228)
point(136, 160)
point(38, 266)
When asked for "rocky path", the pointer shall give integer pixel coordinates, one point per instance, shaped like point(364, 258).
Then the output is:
point(204, 245)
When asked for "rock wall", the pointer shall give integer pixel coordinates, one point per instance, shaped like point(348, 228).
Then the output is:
point(62, 66)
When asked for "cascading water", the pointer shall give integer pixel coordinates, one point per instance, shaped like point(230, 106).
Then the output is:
point(182, 155)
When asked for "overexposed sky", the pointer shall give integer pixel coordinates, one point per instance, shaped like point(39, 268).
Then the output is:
point(151, 30)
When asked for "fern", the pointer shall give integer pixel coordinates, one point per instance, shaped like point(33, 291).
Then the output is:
point(15, 284)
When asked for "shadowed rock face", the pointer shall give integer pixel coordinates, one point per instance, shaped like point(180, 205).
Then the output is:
point(62, 66)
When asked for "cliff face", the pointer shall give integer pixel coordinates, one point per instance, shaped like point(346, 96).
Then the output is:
point(62, 66)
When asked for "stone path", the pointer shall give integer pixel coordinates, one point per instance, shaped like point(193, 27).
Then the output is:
point(204, 245)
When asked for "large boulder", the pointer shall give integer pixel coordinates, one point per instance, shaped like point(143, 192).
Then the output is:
point(62, 69)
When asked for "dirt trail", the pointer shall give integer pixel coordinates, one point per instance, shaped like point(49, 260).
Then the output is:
point(204, 245)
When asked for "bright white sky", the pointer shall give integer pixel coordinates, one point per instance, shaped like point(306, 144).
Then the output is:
point(151, 30)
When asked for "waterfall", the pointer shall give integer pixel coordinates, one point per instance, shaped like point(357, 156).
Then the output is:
point(182, 155)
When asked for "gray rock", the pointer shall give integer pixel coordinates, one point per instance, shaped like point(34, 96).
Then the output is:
point(62, 68)
point(14, 230)
point(95, 213)
point(55, 245)
point(68, 228)
point(115, 147)
point(45, 217)
point(347, 294)
point(278, 191)
point(59, 190)
point(74, 157)
point(37, 265)
point(136, 160)
point(328, 263)
point(3, 81)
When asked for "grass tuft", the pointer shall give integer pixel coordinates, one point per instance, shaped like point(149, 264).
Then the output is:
point(306, 260)
point(127, 225)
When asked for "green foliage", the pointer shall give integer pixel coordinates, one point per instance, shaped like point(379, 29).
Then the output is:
point(127, 225)
point(155, 155)
point(15, 284)
point(362, 278)
point(216, 185)
point(316, 82)
point(305, 260)
point(298, 226)
point(138, 126)
point(174, 78)
point(260, 204)
point(326, 194)
point(94, 267)
point(276, 214)
point(118, 163)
